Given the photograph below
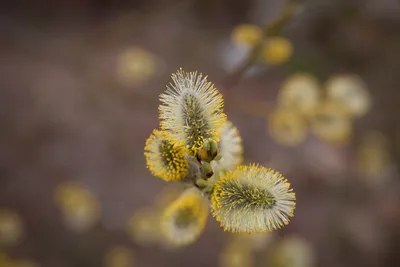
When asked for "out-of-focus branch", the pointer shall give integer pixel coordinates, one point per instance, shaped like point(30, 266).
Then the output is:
point(271, 29)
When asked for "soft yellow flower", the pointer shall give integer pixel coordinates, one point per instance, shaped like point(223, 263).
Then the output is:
point(135, 66)
point(164, 157)
point(287, 126)
point(144, 226)
point(192, 110)
point(246, 34)
point(277, 50)
point(230, 148)
point(11, 227)
point(300, 91)
point(184, 220)
point(292, 251)
point(236, 254)
point(80, 208)
point(331, 122)
point(253, 199)
point(119, 256)
point(352, 91)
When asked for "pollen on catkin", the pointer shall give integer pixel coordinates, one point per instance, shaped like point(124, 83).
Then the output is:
point(230, 148)
point(192, 110)
point(184, 220)
point(252, 199)
point(165, 158)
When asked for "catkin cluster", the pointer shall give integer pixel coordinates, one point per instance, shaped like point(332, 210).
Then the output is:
point(274, 50)
point(328, 110)
point(197, 146)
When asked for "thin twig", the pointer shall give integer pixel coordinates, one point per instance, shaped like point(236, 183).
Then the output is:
point(271, 29)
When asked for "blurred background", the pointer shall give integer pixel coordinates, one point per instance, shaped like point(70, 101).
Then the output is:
point(79, 87)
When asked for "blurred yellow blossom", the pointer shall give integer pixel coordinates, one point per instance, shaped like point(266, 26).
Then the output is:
point(277, 50)
point(287, 126)
point(144, 226)
point(331, 122)
point(135, 65)
point(184, 219)
point(119, 256)
point(352, 91)
point(246, 34)
point(11, 227)
point(292, 251)
point(79, 207)
point(236, 254)
point(300, 91)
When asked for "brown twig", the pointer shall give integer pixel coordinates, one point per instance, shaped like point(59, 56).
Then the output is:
point(271, 29)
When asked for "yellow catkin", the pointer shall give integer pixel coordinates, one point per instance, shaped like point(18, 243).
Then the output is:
point(184, 219)
point(277, 50)
point(252, 199)
point(80, 208)
point(301, 92)
point(165, 158)
point(350, 90)
point(135, 65)
point(246, 34)
point(192, 110)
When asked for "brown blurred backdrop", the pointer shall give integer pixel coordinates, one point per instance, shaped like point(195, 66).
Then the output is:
point(69, 113)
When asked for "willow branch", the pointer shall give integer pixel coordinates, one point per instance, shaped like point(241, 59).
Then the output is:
point(270, 30)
